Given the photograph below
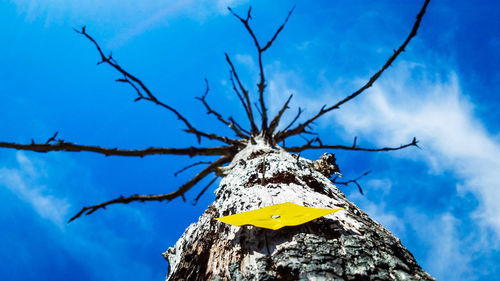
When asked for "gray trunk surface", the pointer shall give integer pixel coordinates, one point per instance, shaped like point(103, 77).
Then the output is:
point(346, 245)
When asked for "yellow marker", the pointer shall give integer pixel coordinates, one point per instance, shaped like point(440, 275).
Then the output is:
point(277, 216)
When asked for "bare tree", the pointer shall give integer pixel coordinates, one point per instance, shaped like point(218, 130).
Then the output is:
point(348, 245)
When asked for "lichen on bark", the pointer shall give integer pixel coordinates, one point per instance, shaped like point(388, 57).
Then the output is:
point(346, 245)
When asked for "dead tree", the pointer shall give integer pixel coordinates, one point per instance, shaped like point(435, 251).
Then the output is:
point(347, 245)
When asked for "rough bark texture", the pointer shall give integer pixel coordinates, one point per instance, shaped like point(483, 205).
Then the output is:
point(346, 245)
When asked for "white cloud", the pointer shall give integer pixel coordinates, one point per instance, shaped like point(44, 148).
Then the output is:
point(440, 235)
point(282, 83)
point(412, 101)
point(435, 111)
point(34, 182)
point(247, 61)
point(449, 257)
point(51, 10)
point(389, 220)
point(23, 181)
point(445, 246)
point(129, 18)
point(154, 15)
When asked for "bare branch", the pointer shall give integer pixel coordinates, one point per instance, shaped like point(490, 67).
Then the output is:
point(246, 103)
point(51, 139)
point(190, 166)
point(299, 112)
point(355, 181)
point(308, 141)
point(238, 92)
point(140, 96)
point(133, 81)
point(309, 145)
point(234, 123)
point(262, 83)
point(309, 132)
point(276, 120)
point(247, 26)
point(195, 201)
point(214, 137)
point(217, 114)
point(156, 197)
point(281, 135)
point(68, 146)
point(258, 110)
point(270, 42)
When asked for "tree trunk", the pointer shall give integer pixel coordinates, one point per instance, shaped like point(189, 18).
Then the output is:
point(346, 245)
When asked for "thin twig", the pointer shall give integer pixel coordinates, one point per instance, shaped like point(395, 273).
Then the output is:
point(270, 42)
point(276, 120)
point(246, 103)
point(238, 126)
point(195, 201)
point(190, 166)
point(355, 181)
point(299, 112)
point(300, 128)
point(156, 197)
point(258, 109)
point(238, 94)
point(51, 139)
point(309, 145)
point(217, 114)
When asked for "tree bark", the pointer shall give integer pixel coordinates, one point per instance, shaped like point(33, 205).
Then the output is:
point(346, 245)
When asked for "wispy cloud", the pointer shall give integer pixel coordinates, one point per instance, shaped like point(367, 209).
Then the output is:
point(24, 182)
point(34, 182)
point(435, 110)
point(388, 219)
point(284, 82)
point(131, 17)
point(442, 244)
point(197, 10)
point(34, 9)
point(415, 101)
point(247, 61)
point(447, 249)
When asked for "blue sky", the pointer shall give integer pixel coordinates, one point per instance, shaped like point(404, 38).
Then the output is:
point(441, 201)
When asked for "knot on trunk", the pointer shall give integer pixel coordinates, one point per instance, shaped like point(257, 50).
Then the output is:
point(326, 165)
